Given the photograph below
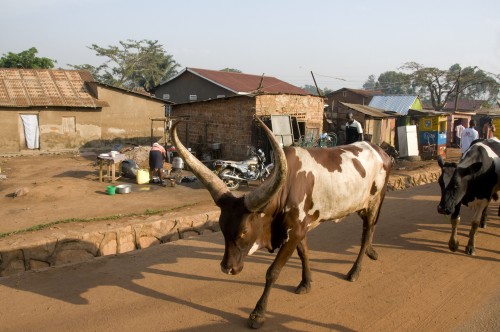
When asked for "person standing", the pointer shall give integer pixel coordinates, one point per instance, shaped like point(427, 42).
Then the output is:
point(157, 155)
point(353, 130)
point(488, 129)
point(468, 135)
point(458, 133)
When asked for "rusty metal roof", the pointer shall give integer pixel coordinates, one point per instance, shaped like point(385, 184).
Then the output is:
point(245, 83)
point(365, 93)
point(46, 87)
point(370, 111)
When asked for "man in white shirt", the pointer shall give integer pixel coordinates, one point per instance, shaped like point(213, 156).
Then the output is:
point(468, 135)
point(353, 130)
point(458, 133)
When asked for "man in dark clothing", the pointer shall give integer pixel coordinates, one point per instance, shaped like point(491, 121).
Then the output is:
point(353, 130)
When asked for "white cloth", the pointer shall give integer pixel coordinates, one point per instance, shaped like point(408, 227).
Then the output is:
point(468, 135)
point(31, 131)
point(458, 130)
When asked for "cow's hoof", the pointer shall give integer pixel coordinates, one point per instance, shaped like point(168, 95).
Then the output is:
point(353, 274)
point(470, 250)
point(303, 288)
point(483, 224)
point(370, 252)
point(453, 245)
point(255, 320)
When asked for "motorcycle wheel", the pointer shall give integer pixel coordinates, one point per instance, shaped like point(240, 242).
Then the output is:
point(231, 184)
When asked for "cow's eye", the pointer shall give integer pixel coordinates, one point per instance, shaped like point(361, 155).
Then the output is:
point(243, 234)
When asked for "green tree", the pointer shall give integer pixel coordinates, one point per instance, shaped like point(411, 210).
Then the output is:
point(472, 83)
point(26, 59)
point(456, 83)
point(395, 83)
point(312, 89)
point(231, 70)
point(370, 83)
point(133, 64)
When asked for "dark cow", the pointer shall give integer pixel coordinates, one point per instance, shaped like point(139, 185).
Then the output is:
point(473, 182)
point(307, 187)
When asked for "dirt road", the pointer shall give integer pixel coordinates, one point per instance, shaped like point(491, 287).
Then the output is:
point(63, 187)
point(66, 186)
point(416, 285)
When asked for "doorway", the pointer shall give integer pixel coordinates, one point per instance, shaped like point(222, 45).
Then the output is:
point(30, 133)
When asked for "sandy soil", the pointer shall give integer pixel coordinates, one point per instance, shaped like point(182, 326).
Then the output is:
point(66, 186)
point(416, 285)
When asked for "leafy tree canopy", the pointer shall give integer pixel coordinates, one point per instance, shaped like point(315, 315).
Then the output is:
point(370, 83)
point(395, 83)
point(231, 70)
point(441, 86)
point(26, 59)
point(133, 65)
point(312, 89)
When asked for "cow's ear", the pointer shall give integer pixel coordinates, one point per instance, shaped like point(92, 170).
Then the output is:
point(440, 161)
point(470, 170)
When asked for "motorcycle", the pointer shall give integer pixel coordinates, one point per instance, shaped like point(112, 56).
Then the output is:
point(233, 173)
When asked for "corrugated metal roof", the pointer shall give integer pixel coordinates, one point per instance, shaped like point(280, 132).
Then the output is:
point(46, 87)
point(371, 111)
point(398, 104)
point(246, 83)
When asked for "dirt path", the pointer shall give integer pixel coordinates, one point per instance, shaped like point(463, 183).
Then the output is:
point(416, 285)
point(66, 186)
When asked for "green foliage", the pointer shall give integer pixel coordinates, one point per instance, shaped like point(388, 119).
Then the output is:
point(231, 70)
point(395, 83)
point(370, 83)
point(133, 65)
point(26, 59)
point(441, 86)
point(312, 90)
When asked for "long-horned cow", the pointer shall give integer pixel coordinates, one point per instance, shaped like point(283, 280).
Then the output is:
point(307, 187)
point(473, 182)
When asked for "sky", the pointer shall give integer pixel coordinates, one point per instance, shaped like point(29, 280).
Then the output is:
point(341, 42)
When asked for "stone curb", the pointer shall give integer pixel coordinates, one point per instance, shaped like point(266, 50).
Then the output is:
point(45, 249)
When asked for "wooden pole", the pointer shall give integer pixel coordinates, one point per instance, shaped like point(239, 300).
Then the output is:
point(317, 88)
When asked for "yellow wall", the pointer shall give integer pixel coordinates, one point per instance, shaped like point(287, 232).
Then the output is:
point(126, 120)
point(432, 123)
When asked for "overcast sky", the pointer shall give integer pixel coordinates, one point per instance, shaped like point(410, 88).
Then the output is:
point(346, 40)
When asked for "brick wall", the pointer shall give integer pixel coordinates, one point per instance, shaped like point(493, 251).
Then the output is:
point(229, 120)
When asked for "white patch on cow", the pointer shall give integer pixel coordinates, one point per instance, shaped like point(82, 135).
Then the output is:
point(262, 215)
point(287, 235)
point(338, 194)
point(255, 247)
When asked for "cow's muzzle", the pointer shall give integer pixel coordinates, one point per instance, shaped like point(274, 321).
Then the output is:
point(443, 210)
point(229, 269)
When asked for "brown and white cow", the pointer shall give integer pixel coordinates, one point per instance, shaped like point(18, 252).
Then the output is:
point(307, 187)
point(473, 182)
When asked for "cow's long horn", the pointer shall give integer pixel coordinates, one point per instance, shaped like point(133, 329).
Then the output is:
point(212, 182)
point(257, 199)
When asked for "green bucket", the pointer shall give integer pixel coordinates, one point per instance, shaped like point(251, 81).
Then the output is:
point(111, 190)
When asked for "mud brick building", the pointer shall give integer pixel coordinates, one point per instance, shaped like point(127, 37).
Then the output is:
point(228, 122)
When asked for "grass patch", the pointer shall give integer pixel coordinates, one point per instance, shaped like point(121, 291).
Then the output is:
point(147, 212)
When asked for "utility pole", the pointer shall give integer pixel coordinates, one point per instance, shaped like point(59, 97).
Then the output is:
point(317, 89)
